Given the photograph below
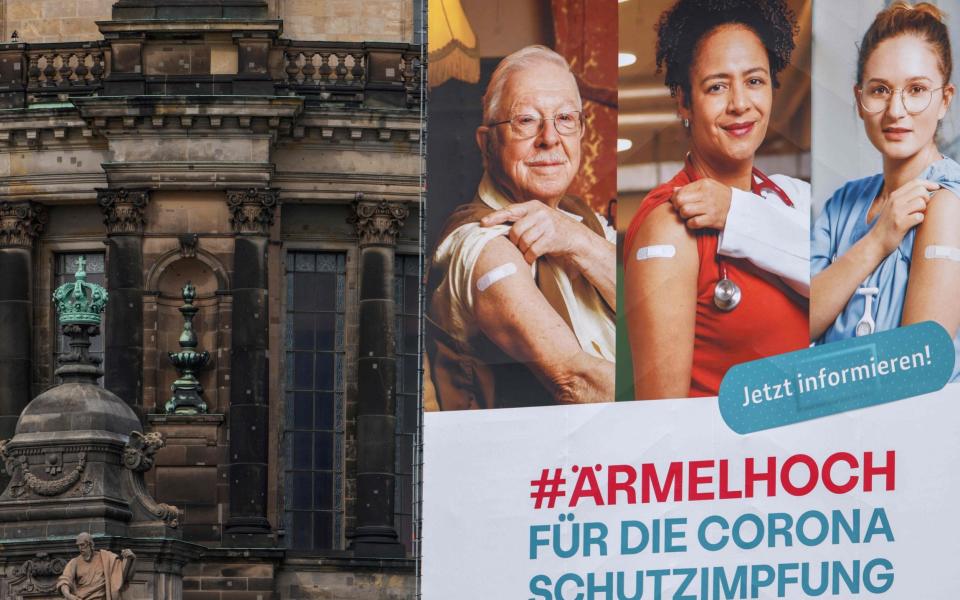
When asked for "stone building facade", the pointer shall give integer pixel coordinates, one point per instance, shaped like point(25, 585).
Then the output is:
point(269, 153)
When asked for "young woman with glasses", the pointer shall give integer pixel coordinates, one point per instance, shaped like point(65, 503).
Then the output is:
point(695, 308)
point(884, 247)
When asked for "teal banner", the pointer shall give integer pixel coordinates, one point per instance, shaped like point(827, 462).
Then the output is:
point(837, 377)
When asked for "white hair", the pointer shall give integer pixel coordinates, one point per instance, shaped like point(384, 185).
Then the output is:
point(524, 58)
point(85, 536)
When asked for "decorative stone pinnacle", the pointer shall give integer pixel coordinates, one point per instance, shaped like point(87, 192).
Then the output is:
point(378, 222)
point(187, 392)
point(123, 209)
point(252, 210)
point(80, 302)
point(21, 223)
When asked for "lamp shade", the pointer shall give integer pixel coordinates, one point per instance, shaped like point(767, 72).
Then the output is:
point(452, 46)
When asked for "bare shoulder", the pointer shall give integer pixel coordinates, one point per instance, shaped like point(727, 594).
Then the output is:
point(942, 219)
point(499, 252)
point(664, 223)
point(663, 226)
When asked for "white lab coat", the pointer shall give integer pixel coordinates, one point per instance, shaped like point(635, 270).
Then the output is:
point(771, 235)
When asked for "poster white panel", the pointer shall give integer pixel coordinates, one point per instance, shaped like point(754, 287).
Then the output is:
point(661, 500)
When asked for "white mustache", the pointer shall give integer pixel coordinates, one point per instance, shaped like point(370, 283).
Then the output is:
point(546, 158)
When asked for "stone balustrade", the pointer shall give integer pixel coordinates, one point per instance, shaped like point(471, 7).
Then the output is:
point(355, 74)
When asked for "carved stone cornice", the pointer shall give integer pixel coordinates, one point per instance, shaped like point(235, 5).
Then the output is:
point(378, 222)
point(21, 223)
point(251, 210)
point(123, 209)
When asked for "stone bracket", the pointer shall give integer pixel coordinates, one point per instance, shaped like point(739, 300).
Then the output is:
point(138, 457)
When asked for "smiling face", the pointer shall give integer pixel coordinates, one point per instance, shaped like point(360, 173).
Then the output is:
point(541, 167)
point(731, 93)
point(908, 63)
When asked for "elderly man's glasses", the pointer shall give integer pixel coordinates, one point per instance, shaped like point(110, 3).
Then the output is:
point(527, 126)
point(877, 97)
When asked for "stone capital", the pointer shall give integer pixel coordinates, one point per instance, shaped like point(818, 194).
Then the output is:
point(123, 209)
point(21, 223)
point(251, 210)
point(378, 222)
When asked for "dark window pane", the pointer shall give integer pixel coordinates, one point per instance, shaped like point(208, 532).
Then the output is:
point(324, 412)
point(316, 284)
point(301, 530)
point(324, 450)
point(301, 497)
point(326, 291)
point(404, 454)
point(306, 291)
point(326, 330)
point(410, 364)
point(408, 417)
point(302, 448)
point(410, 334)
point(323, 491)
point(303, 328)
point(324, 371)
point(407, 343)
point(303, 370)
point(302, 410)
point(411, 296)
point(323, 529)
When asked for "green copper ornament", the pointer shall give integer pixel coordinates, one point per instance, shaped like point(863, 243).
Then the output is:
point(79, 302)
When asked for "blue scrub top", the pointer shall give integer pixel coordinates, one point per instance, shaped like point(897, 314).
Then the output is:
point(842, 223)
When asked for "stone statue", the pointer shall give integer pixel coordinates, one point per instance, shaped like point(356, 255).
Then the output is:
point(96, 574)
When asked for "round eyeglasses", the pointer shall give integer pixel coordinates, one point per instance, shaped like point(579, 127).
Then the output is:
point(877, 97)
point(527, 126)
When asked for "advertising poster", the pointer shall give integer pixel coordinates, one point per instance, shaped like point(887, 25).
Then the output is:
point(787, 259)
point(520, 286)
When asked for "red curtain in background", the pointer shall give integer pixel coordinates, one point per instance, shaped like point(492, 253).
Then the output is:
point(586, 35)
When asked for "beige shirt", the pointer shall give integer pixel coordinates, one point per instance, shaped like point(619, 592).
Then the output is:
point(569, 293)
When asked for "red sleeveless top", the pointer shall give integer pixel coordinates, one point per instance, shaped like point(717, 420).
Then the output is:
point(770, 319)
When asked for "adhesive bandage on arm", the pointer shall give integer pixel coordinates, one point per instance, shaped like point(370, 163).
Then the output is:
point(943, 252)
point(659, 251)
point(495, 274)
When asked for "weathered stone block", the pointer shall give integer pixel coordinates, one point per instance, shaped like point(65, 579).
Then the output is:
point(187, 484)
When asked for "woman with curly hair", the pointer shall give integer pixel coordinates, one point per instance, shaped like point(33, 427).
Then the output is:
point(697, 302)
point(885, 248)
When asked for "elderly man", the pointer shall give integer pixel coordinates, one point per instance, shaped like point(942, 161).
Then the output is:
point(96, 574)
point(523, 278)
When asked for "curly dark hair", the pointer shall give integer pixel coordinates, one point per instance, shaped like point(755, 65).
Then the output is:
point(682, 28)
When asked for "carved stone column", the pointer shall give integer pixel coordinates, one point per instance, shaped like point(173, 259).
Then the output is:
point(123, 330)
point(251, 217)
point(20, 224)
point(377, 223)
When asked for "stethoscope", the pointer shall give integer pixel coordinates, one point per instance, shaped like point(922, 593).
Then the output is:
point(866, 325)
point(726, 293)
